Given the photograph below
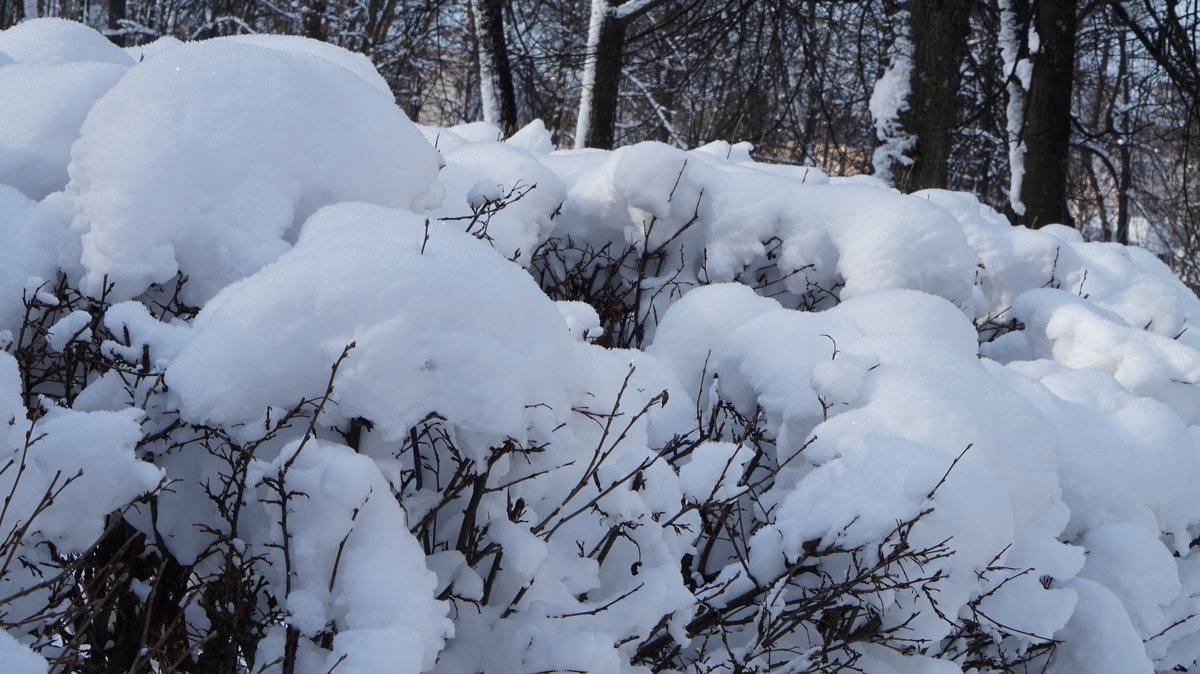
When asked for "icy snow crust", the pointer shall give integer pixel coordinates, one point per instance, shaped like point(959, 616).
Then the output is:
point(1030, 399)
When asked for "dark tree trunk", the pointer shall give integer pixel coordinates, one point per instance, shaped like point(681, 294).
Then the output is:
point(116, 14)
point(938, 31)
point(610, 52)
point(314, 21)
point(1048, 115)
point(494, 47)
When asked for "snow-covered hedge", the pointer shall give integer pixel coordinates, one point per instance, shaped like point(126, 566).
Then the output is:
point(287, 389)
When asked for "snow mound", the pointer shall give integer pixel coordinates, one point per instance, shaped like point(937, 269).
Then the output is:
point(205, 159)
point(32, 234)
point(716, 206)
point(150, 49)
point(356, 63)
point(348, 528)
point(53, 41)
point(482, 196)
point(40, 118)
point(434, 322)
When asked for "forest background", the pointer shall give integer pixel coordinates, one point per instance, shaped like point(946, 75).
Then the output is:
point(1076, 112)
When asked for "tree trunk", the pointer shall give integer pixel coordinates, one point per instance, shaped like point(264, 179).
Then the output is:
point(495, 71)
point(938, 30)
point(1014, 53)
point(610, 52)
point(116, 14)
point(1048, 115)
point(314, 20)
point(596, 121)
point(891, 158)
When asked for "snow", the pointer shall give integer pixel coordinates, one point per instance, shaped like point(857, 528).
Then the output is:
point(515, 213)
point(99, 447)
point(582, 321)
point(41, 116)
point(828, 373)
point(533, 137)
point(15, 211)
point(63, 474)
point(1099, 636)
point(356, 63)
point(142, 332)
point(721, 207)
point(714, 471)
point(54, 41)
point(18, 658)
point(356, 566)
point(151, 49)
point(476, 132)
point(408, 361)
point(70, 328)
point(269, 137)
point(889, 98)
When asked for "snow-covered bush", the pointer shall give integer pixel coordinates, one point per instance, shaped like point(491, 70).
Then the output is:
point(287, 389)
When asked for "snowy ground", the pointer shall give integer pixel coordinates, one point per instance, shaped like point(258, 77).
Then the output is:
point(830, 375)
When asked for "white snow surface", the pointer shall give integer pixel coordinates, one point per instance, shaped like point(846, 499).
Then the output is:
point(40, 118)
point(509, 195)
point(356, 63)
point(205, 159)
point(428, 337)
point(382, 593)
point(1029, 398)
point(54, 41)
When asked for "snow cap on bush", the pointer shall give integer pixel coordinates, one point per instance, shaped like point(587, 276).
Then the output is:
point(441, 325)
point(205, 159)
point(54, 41)
point(51, 71)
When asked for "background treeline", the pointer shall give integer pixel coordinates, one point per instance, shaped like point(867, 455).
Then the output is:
point(1055, 111)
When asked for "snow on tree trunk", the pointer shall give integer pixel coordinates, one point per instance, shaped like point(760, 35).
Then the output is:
point(1014, 51)
point(890, 98)
point(600, 14)
point(487, 81)
point(495, 72)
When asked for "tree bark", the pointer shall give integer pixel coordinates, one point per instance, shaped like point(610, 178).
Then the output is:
point(116, 14)
point(1015, 22)
point(938, 30)
point(596, 122)
point(495, 70)
point(314, 20)
point(610, 54)
point(1048, 115)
